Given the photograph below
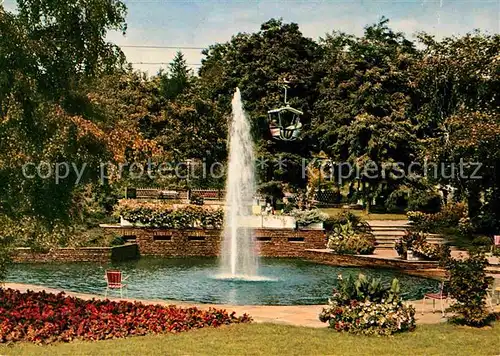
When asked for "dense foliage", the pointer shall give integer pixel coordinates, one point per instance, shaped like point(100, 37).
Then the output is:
point(5, 259)
point(42, 317)
point(346, 239)
point(366, 306)
point(450, 216)
point(308, 217)
point(349, 234)
point(468, 286)
point(345, 217)
point(157, 214)
point(417, 242)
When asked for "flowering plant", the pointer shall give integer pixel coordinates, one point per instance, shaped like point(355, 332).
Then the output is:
point(160, 214)
point(344, 239)
point(417, 242)
point(365, 306)
point(44, 317)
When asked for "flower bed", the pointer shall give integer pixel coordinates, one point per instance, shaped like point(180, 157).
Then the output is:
point(365, 306)
point(347, 238)
point(159, 214)
point(45, 317)
point(417, 242)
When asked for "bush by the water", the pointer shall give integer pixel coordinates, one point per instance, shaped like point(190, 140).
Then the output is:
point(45, 317)
point(468, 286)
point(417, 242)
point(344, 239)
point(159, 214)
point(349, 234)
point(366, 306)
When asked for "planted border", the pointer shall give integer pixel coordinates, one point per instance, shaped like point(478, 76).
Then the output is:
point(159, 214)
point(41, 317)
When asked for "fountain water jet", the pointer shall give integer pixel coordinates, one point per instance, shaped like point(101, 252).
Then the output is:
point(238, 257)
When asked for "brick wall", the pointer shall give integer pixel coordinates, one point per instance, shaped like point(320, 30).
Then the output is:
point(80, 254)
point(288, 243)
point(197, 242)
point(418, 268)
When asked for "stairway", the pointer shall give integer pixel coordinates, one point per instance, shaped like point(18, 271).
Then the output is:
point(388, 231)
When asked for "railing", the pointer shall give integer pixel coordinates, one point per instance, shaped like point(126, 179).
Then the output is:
point(159, 193)
point(328, 196)
point(209, 194)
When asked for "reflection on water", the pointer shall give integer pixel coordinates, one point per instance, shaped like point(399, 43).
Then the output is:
point(286, 282)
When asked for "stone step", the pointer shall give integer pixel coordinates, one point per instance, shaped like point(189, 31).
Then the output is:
point(386, 238)
point(392, 237)
point(388, 223)
point(389, 233)
point(389, 228)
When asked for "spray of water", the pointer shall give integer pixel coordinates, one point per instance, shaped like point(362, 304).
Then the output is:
point(238, 257)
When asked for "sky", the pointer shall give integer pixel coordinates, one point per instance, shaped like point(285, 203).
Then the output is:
point(200, 23)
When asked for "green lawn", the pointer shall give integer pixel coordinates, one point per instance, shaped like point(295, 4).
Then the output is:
point(268, 339)
point(362, 213)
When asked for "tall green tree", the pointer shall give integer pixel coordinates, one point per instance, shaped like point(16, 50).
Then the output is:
point(259, 63)
point(49, 49)
point(177, 79)
point(458, 118)
point(362, 113)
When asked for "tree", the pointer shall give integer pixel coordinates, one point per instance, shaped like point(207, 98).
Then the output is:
point(457, 114)
point(259, 63)
point(361, 116)
point(178, 78)
point(49, 49)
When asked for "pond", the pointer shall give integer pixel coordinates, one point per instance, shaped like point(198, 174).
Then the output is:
point(286, 282)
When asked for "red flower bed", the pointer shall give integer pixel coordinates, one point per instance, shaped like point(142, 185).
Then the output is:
point(45, 317)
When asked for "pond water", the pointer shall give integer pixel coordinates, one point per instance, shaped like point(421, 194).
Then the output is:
point(285, 282)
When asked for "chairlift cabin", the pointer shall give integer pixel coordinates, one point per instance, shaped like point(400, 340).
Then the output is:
point(284, 122)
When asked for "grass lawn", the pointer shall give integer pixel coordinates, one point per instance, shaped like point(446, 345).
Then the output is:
point(362, 213)
point(269, 339)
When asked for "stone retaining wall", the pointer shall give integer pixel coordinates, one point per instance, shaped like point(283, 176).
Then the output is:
point(199, 242)
point(80, 254)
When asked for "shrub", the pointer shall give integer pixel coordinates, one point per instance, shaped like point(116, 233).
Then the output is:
point(482, 241)
point(417, 242)
point(449, 216)
point(358, 224)
point(196, 199)
point(308, 217)
point(5, 257)
point(465, 227)
point(344, 239)
point(117, 241)
point(468, 285)
point(423, 200)
point(366, 306)
point(496, 251)
point(43, 318)
point(426, 200)
point(165, 215)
